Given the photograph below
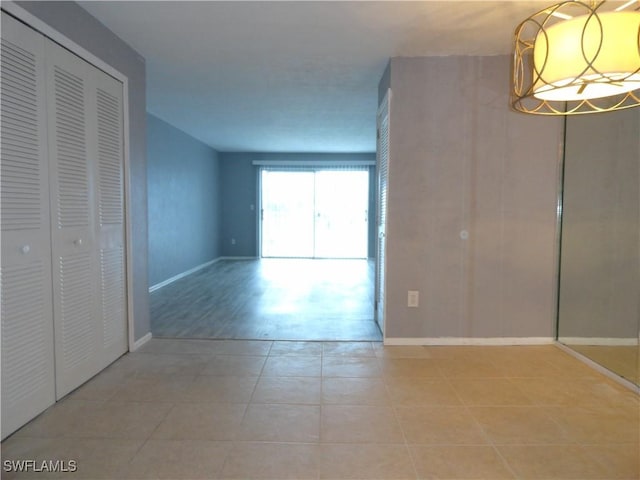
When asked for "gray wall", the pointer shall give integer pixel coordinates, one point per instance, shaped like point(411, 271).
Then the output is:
point(460, 159)
point(183, 182)
point(76, 24)
point(600, 274)
point(240, 191)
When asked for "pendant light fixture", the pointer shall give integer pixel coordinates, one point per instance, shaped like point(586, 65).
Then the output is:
point(576, 58)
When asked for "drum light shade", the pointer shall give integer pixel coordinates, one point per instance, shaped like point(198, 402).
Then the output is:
point(584, 63)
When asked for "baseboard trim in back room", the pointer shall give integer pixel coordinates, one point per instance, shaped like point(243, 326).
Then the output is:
point(470, 341)
point(166, 282)
point(141, 341)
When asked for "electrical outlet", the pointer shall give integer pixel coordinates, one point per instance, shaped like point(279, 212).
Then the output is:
point(233, 241)
point(413, 298)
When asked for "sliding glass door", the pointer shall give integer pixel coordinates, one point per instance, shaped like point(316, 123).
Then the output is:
point(315, 213)
point(287, 226)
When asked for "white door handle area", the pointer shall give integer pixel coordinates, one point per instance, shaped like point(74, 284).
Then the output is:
point(78, 242)
point(25, 249)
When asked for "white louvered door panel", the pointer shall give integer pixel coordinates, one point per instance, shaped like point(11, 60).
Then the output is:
point(382, 157)
point(109, 181)
point(77, 328)
point(28, 385)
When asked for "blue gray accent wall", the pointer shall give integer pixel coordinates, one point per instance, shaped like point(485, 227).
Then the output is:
point(183, 183)
point(75, 23)
point(239, 189)
point(240, 197)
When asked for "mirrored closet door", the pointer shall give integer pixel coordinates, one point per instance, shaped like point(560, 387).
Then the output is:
point(599, 296)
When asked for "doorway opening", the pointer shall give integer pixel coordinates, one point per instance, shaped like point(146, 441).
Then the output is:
point(313, 278)
point(320, 213)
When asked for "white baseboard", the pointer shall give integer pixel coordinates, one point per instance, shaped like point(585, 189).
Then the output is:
point(183, 274)
point(599, 341)
point(453, 341)
point(141, 341)
point(238, 258)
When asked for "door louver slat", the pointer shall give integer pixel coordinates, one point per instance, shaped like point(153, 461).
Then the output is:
point(75, 289)
point(112, 283)
point(109, 159)
point(24, 353)
point(73, 190)
point(20, 152)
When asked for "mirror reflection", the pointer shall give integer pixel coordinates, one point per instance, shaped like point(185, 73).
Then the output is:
point(599, 292)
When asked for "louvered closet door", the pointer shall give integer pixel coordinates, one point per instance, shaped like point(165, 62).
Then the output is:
point(76, 321)
point(87, 214)
point(382, 156)
point(25, 273)
point(109, 225)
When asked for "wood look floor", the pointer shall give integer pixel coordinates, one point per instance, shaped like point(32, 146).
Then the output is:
point(270, 299)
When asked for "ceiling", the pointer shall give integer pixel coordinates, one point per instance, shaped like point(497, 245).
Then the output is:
point(292, 76)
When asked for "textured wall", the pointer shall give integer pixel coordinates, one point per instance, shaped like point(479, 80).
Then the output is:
point(76, 24)
point(240, 191)
point(600, 265)
point(183, 178)
point(460, 160)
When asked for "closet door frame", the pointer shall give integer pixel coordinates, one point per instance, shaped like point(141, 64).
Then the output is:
point(45, 29)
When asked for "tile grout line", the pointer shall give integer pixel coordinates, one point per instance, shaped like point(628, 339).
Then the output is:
point(396, 416)
point(490, 442)
point(320, 439)
point(451, 381)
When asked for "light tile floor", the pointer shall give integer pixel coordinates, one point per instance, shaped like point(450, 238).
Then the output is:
point(202, 409)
